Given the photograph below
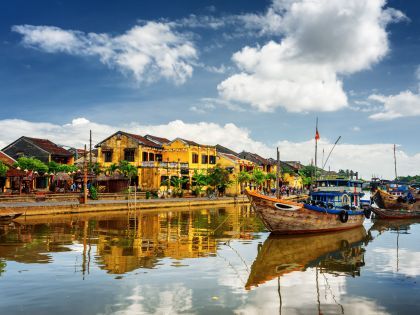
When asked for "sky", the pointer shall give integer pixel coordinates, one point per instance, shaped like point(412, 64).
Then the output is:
point(251, 75)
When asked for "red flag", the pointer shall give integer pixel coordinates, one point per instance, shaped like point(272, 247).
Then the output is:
point(317, 134)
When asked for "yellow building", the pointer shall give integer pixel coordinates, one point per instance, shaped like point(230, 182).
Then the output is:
point(187, 156)
point(234, 165)
point(156, 158)
point(139, 151)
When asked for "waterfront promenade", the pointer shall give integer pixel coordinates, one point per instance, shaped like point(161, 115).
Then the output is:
point(62, 207)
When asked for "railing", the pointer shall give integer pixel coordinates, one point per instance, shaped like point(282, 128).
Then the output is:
point(182, 165)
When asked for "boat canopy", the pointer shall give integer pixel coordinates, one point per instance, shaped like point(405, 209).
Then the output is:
point(338, 183)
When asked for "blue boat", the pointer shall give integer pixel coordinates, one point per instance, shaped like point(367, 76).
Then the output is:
point(338, 193)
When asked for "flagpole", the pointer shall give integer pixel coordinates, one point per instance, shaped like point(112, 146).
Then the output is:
point(316, 147)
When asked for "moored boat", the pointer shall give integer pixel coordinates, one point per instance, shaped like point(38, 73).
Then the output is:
point(385, 200)
point(396, 213)
point(287, 217)
point(9, 216)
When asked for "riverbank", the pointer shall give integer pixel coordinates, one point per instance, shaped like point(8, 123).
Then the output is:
point(68, 207)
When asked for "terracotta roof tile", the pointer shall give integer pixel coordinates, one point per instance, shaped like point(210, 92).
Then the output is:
point(6, 159)
point(160, 140)
point(49, 146)
point(143, 140)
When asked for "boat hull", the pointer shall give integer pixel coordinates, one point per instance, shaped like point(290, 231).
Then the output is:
point(392, 214)
point(295, 218)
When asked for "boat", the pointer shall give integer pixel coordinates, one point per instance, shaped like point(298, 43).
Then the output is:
point(385, 200)
point(338, 253)
point(338, 193)
point(396, 213)
point(288, 217)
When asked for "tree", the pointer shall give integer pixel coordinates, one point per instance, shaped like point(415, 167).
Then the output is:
point(218, 178)
point(199, 180)
point(55, 167)
point(3, 169)
point(127, 169)
point(95, 167)
point(177, 183)
point(31, 164)
point(111, 169)
point(242, 178)
point(258, 177)
point(271, 177)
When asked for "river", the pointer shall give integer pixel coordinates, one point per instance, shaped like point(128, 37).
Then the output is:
point(204, 261)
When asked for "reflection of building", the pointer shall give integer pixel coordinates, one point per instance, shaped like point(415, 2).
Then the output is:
point(176, 235)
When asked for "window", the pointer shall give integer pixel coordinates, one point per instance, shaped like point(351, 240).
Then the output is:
point(204, 159)
point(145, 156)
point(151, 156)
point(129, 155)
point(195, 158)
point(108, 156)
point(212, 159)
point(158, 157)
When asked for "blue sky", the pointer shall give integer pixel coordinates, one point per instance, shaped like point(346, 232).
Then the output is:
point(268, 68)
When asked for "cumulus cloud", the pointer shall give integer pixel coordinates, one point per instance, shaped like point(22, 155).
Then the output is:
point(404, 104)
point(368, 159)
point(321, 41)
point(148, 52)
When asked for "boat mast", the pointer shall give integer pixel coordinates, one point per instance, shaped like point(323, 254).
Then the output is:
point(395, 164)
point(316, 146)
point(278, 174)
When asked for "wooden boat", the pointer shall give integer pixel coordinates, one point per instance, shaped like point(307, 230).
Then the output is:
point(385, 200)
point(336, 253)
point(396, 213)
point(288, 217)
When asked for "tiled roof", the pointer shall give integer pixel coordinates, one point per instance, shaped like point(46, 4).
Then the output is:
point(223, 149)
point(48, 146)
point(189, 142)
point(158, 140)
point(254, 157)
point(143, 140)
point(6, 159)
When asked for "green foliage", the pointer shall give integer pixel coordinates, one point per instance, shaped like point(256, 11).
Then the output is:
point(258, 177)
point(199, 180)
point(3, 169)
point(31, 164)
point(218, 178)
point(93, 193)
point(147, 194)
point(243, 177)
point(285, 169)
point(271, 176)
point(55, 167)
point(111, 169)
point(95, 167)
point(410, 179)
point(127, 169)
point(177, 183)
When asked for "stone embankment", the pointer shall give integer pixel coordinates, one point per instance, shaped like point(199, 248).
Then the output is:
point(29, 208)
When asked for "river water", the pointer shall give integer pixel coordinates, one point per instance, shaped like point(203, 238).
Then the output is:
point(204, 261)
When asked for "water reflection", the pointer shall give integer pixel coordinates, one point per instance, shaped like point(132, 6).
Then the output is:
point(214, 260)
point(338, 253)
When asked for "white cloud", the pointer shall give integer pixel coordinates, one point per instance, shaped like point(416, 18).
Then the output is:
point(404, 104)
point(368, 159)
point(148, 52)
point(356, 128)
point(322, 39)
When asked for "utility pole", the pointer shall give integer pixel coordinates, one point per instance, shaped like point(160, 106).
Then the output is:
point(278, 175)
point(85, 192)
point(90, 151)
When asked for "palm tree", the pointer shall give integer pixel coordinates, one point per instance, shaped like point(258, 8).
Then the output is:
point(258, 177)
point(199, 181)
point(111, 169)
point(242, 178)
point(128, 170)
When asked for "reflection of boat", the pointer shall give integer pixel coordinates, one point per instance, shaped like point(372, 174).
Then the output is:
point(397, 225)
point(9, 216)
point(287, 217)
point(336, 253)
